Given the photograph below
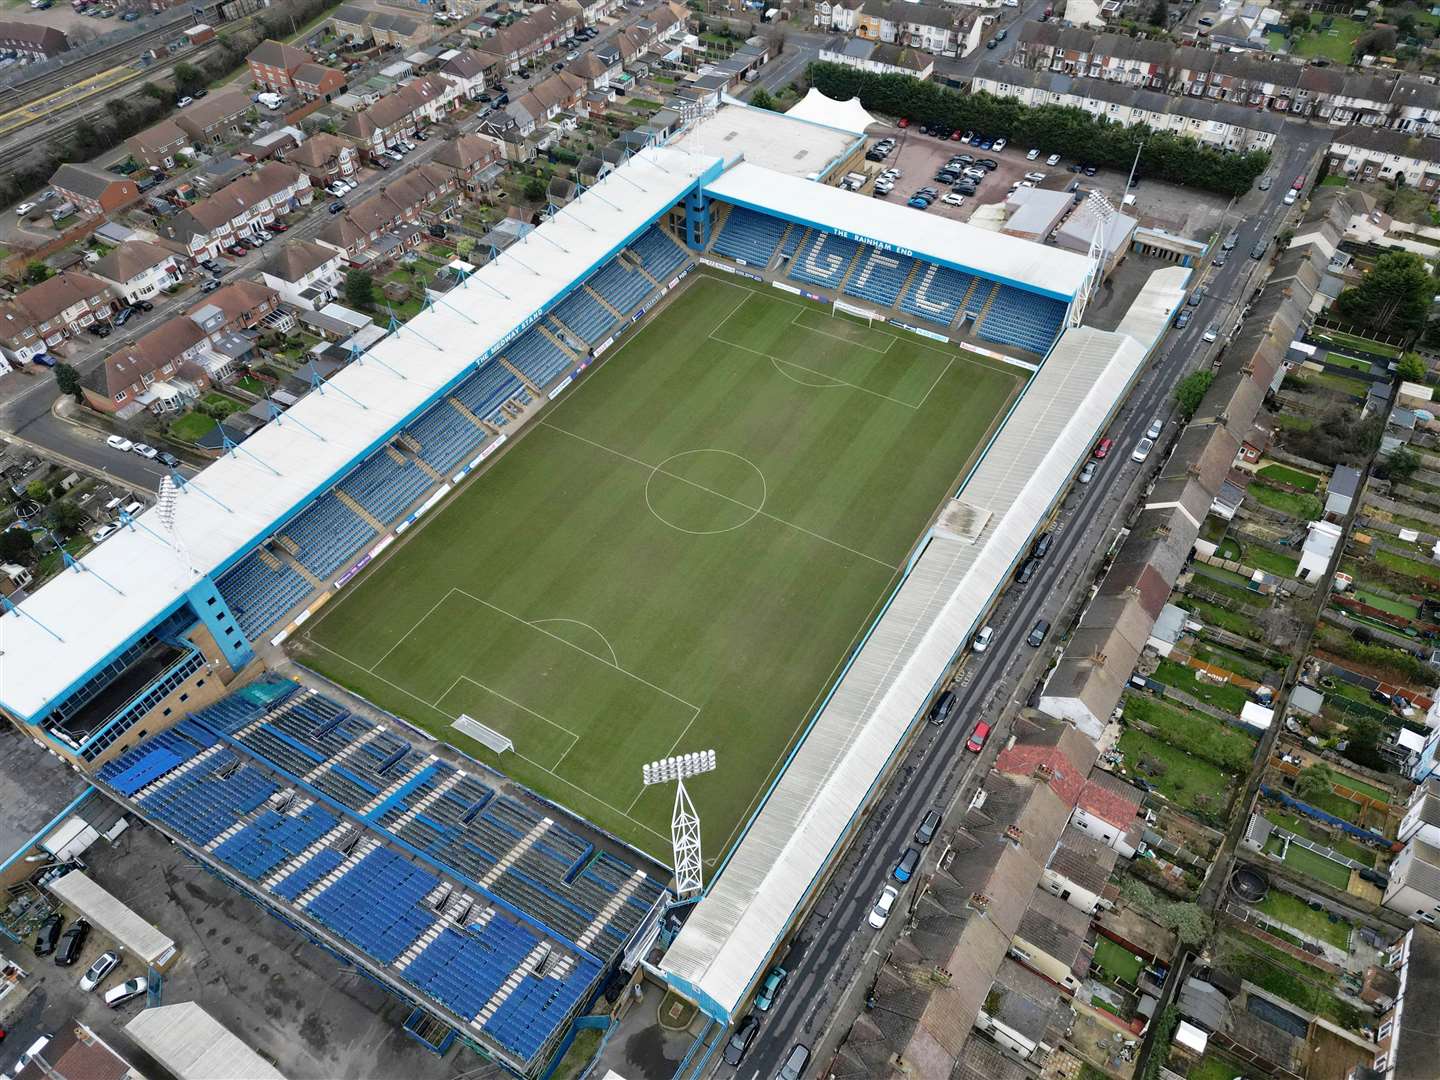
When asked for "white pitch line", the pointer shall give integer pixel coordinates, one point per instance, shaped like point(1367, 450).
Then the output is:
point(407, 633)
point(836, 382)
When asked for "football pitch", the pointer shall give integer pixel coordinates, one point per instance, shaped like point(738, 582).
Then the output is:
point(679, 554)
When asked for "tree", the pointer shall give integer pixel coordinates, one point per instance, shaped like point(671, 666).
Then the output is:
point(1160, 14)
point(68, 380)
point(1411, 368)
point(763, 99)
point(1299, 22)
point(1191, 392)
point(1401, 464)
point(16, 545)
point(359, 289)
point(1377, 42)
point(1394, 296)
point(66, 516)
point(36, 272)
point(1314, 781)
point(188, 78)
point(534, 189)
point(37, 491)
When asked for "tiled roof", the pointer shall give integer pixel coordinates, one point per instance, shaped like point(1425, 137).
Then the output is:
point(44, 301)
point(129, 260)
point(318, 150)
point(215, 109)
point(1051, 924)
point(277, 54)
point(84, 179)
point(1083, 860)
point(165, 133)
point(236, 299)
point(1110, 799)
point(298, 258)
point(465, 151)
point(150, 353)
point(238, 196)
point(1059, 748)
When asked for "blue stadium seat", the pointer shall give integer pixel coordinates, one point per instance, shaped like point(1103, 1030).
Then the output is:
point(200, 805)
point(273, 839)
point(1023, 319)
point(464, 970)
point(659, 254)
point(937, 293)
point(259, 594)
point(541, 359)
point(327, 533)
point(823, 260)
point(879, 276)
point(376, 904)
point(623, 289)
point(386, 487)
point(583, 314)
point(749, 237)
point(529, 1015)
point(490, 387)
point(292, 886)
point(446, 437)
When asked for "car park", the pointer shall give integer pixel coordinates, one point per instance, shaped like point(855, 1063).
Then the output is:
point(1142, 450)
point(126, 991)
point(118, 442)
point(953, 199)
point(770, 988)
point(880, 913)
point(1087, 473)
point(48, 935)
point(795, 1062)
point(908, 863)
point(976, 742)
point(105, 963)
point(929, 825)
point(1038, 633)
point(71, 942)
point(1103, 447)
point(740, 1040)
point(983, 639)
point(943, 707)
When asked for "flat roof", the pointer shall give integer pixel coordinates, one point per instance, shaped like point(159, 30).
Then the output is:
point(129, 930)
point(1023, 263)
point(38, 788)
point(80, 619)
point(193, 1045)
point(784, 144)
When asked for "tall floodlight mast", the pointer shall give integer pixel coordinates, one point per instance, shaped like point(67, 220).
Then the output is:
point(684, 821)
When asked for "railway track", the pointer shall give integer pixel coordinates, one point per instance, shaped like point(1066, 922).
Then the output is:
point(22, 93)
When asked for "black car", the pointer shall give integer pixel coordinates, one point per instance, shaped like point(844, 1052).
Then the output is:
point(943, 707)
point(1089, 170)
point(123, 316)
point(48, 935)
point(989, 164)
point(1038, 633)
point(100, 330)
point(1027, 571)
point(964, 189)
point(71, 942)
point(926, 830)
point(739, 1044)
point(336, 207)
point(1042, 545)
point(143, 305)
point(168, 459)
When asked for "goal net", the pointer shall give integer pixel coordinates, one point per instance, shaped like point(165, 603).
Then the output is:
point(487, 737)
point(840, 307)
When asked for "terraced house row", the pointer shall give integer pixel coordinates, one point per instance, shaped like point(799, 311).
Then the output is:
point(1403, 102)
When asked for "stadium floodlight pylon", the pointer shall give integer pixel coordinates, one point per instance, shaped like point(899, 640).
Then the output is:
point(684, 821)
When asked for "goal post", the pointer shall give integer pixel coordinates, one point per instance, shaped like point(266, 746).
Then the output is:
point(840, 307)
point(487, 737)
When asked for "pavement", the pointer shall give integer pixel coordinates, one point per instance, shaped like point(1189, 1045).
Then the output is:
point(832, 950)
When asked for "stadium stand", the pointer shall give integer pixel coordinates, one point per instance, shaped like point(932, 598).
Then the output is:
point(659, 254)
point(259, 593)
point(937, 293)
point(326, 533)
point(445, 436)
point(385, 486)
point(824, 260)
point(1023, 319)
point(793, 236)
point(541, 359)
point(480, 901)
point(749, 237)
point(879, 276)
point(484, 392)
point(622, 288)
point(582, 314)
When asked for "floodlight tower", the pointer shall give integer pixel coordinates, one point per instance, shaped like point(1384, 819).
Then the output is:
point(684, 821)
point(1103, 213)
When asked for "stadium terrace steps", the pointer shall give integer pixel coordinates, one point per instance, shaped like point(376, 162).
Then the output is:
point(977, 300)
point(363, 848)
point(1023, 319)
point(532, 961)
point(379, 800)
point(659, 253)
point(749, 238)
point(794, 238)
point(609, 911)
point(354, 507)
point(513, 855)
point(557, 340)
point(263, 554)
point(340, 757)
point(594, 294)
point(325, 842)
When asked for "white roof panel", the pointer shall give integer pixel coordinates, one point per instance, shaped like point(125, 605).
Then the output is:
point(1005, 258)
point(79, 620)
point(130, 931)
point(193, 1045)
point(796, 146)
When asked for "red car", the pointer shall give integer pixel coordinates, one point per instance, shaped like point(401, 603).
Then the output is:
point(1102, 448)
point(278, 226)
point(904, 122)
point(978, 737)
point(1299, 184)
point(236, 249)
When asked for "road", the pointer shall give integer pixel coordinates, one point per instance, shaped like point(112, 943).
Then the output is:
point(801, 48)
point(833, 943)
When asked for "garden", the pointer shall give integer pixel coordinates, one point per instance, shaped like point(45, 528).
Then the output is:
point(1313, 922)
point(1286, 977)
point(1224, 746)
point(1186, 679)
point(1191, 783)
point(1304, 861)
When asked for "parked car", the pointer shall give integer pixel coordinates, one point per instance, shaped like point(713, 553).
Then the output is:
point(1142, 450)
point(337, 206)
point(1291, 196)
point(983, 638)
point(943, 707)
point(1088, 472)
point(1053, 160)
point(1156, 426)
point(103, 533)
point(118, 442)
point(30, 1054)
point(99, 329)
point(149, 453)
point(906, 866)
point(739, 1044)
point(953, 199)
point(123, 316)
point(48, 935)
point(770, 988)
point(1038, 633)
point(1182, 320)
point(880, 913)
point(211, 285)
point(1212, 333)
point(795, 1062)
point(126, 991)
point(71, 942)
point(183, 102)
point(24, 208)
point(43, 359)
point(143, 305)
point(929, 824)
point(999, 144)
point(1221, 258)
point(976, 742)
point(1032, 155)
point(1103, 447)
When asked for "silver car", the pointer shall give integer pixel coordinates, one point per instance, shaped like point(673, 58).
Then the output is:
point(103, 965)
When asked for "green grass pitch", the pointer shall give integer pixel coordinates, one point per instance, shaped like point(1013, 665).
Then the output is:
point(677, 555)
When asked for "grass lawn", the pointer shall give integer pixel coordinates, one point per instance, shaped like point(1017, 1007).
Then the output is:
point(1336, 44)
point(1285, 977)
point(1307, 482)
point(1219, 573)
point(190, 427)
point(1340, 383)
point(1215, 741)
point(1303, 507)
point(220, 401)
point(1395, 607)
point(251, 385)
point(1338, 805)
point(620, 585)
point(1231, 660)
point(1295, 913)
point(1215, 615)
point(1207, 578)
point(1212, 1067)
point(1229, 548)
point(1225, 696)
point(1117, 961)
point(1188, 781)
point(1320, 868)
point(1272, 562)
point(1291, 422)
point(1377, 793)
point(1354, 363)
point(1312, 830)
point(1429, 572)
point(1337, 337)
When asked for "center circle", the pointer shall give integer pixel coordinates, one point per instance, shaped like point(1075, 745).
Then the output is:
point(703, 492)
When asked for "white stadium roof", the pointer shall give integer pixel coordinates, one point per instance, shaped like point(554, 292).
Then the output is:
point(819, 109)
point(796, 146)
point(743, 916)
point(193, 1045)
point(893, 227)
point(137, 574)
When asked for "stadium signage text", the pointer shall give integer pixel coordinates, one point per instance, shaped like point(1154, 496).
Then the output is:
point(874, 243)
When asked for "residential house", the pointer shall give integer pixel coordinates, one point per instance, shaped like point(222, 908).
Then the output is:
point(1414, 889)
point(389, 221)
point(1405, 1034)
point(939, 29)
point(470, 159)
point(273, 63)
point(538, 32)
point(880, 58)
point(213, 119)
point(1079, 870)
point(1422, 816)
point(417, 103)
point(158, 371)
point(325, 157)
point(306, 275)
point(1372, 153)
point(241, 305)
point(592, 11)
point(399, 31)
point(1340, 495)
point(1109, 811)
point(597, 73)
point(138, 269)
point(77, 1052)
point(1024, 1013)
point(93, 191)
point(472, 70)
point(237, 209)
point(351, 22)
point(45, 315)
point(318, 81)
point(1051, 941)
point(32, 41)
point(547, 99)
point(159, 146)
